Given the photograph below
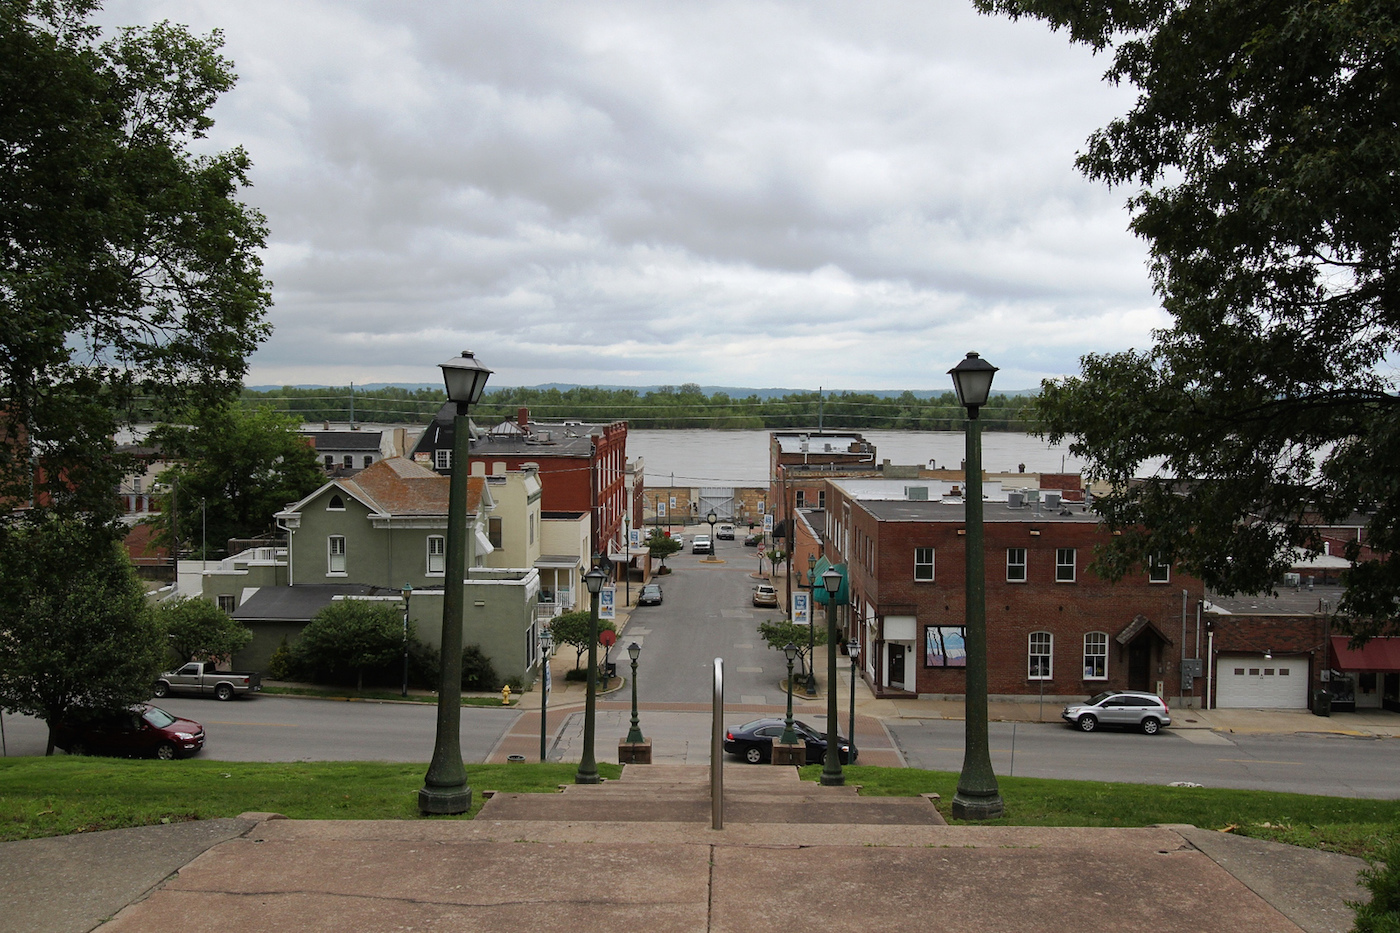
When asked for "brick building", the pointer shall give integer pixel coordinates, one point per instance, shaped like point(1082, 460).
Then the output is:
point(1053, 627)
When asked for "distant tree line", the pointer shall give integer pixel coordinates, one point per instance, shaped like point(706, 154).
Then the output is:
point(686, 406)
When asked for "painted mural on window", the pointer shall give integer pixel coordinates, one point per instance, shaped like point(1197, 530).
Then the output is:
point(945, 646)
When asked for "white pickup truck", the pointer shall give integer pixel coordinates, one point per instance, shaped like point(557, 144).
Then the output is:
point(198, 677)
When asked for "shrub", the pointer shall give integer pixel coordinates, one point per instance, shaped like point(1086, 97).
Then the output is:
point(279, 666)
point(477, 672)
point(1382, 913)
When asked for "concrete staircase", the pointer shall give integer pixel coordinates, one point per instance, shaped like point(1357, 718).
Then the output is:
point(753, 795)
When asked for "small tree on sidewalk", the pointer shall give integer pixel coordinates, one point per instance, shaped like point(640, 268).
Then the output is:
point(662, 546)
point(571, 628)
point(779, 633)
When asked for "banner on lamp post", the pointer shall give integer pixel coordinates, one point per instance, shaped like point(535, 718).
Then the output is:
point(802, 608)
point(607, 603)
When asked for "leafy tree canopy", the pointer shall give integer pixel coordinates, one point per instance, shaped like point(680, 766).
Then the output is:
point(129, 271)
point(199, 630)
point(350, 637)
point(778, 633)
point(571, 628)
point(1262, 156)
point(235, 468)
point(90, 643)
point(661, 545)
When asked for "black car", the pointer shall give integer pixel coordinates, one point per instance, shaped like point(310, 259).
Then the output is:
point(753, 741)
point(753, 540)
point(649, 596)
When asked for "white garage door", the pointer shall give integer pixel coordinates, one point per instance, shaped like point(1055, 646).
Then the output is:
point(1256, 683)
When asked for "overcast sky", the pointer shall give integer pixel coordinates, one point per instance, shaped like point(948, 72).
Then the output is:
point(730, 193)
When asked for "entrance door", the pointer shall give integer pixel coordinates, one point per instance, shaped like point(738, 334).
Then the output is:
point(897, 666)
point(1140, 664)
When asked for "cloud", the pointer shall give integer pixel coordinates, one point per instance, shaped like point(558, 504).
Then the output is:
point(718, 192)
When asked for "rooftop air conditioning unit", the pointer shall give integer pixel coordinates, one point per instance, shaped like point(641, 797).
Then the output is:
point(1052, 498)
point(1016, 500)
point(916, 493)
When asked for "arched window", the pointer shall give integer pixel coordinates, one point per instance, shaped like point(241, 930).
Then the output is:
point(1040, 655)
point(336, 504)
point(1096, 656)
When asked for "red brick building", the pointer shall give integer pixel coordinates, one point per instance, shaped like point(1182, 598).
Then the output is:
point(1053, 626)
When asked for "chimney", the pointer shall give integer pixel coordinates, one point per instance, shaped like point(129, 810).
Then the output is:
point(523, 417)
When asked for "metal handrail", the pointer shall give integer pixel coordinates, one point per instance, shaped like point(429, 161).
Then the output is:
point(717, 751)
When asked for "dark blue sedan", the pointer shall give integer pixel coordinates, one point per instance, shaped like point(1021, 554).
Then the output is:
point(753, 741)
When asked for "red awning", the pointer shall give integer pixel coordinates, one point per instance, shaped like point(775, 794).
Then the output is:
point(1378, 654)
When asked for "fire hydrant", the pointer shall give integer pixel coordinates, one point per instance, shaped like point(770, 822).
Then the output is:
point(505, 695)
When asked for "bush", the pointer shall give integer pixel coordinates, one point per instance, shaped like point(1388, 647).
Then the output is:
point(352, 640)
point(280, 665)
point(1382, 913)
point(477, 672)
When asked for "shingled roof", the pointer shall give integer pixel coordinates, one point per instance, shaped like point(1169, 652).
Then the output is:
point(397, 486)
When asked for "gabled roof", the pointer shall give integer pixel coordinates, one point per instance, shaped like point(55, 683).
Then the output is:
point(397, 486)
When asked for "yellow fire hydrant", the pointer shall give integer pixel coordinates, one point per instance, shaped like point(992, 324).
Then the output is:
point(505, 695)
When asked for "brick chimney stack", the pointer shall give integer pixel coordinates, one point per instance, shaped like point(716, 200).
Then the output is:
point(524, 419)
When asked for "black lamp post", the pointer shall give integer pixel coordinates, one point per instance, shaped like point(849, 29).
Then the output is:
point(588, 767)
point(445, 788)
point(853, 648)
point(978, 797)
point(811, 626)
point(634, 735)
point(546, 651)
point(407, 593)
point(712, 518)
point(831, 769)
point(789, 734)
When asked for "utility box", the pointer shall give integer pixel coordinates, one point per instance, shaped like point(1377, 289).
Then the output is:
point(1191, 668)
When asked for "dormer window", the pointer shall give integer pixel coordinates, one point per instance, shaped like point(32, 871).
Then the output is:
point(337, 504)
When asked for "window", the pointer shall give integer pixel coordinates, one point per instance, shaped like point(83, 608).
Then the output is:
point(493, 526)
point(821, 498)
point(801, 499)
point(532, 529)
point(923, 564)
point(437, 554)
point(442, 459)
point(1064, 565)
point(349, 461)
point(1096, 656)
point(369, 461)
point(226, 602)
point(1039, 656)
point(1015, 565)
point(1158, 570)
point(336, 504)
point(330, 461)
point(335, 550)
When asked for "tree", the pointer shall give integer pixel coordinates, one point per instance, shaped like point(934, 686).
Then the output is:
point(236, 469)
point(779, 633)
point(349, 637)
point(776, 556)
point(196, 628)
point(129, 276)
point(88, 643)
point(1262, 150)
point(571, 628)
point(661, 545)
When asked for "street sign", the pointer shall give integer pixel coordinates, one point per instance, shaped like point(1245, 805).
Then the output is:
point(607, 603)
point(802, 608)
point(607, 638)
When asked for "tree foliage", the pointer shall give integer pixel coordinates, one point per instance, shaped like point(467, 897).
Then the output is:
point(1262, 155)
point(129, 271)
point(196, 629)
point(779, 633)
point(235, 468)
point(571, 628)
point(86, 642)
point(349, 638)
point(661, 545)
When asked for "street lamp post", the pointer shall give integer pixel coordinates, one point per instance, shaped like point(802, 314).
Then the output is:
point(546, 650)
point(789, 734)
point(712, 518)
point(445, 788)
point(978, 797)
point(811, 626)
point(627, 561)
point(407, 593)
point(854, 650)
point(831, 769)
point(634, 735)
point(588, 767)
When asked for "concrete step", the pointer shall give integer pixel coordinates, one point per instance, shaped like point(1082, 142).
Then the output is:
point(815, 809)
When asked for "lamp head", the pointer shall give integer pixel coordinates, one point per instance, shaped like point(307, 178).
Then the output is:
point(465, 378)
point(790, 650)
point(634, 651)
point(831, 581)
point(972, 378)
point(407, 591)
point(594, 580)
point(853, 649)
point(547, 640)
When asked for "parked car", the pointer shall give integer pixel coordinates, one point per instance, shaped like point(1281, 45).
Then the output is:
point(753, 741)
point(679, 539)
point(649, 596)
point(1126, 708)
point(201, 678)
point(138, 731)
point(724, 533)
point(700, 544)
point(765, 595)
point(753, 540)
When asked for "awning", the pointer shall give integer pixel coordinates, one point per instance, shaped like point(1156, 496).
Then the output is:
point(1378, 654)
point(1135, 627)
point(557, 562)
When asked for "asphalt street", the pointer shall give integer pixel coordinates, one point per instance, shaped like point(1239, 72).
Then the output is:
point(1329, 764)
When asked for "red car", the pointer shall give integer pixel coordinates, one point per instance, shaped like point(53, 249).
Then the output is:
point(141, 730)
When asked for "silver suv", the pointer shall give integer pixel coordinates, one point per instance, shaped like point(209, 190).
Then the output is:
point(1127, 708)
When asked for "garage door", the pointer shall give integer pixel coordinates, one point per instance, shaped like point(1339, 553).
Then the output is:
point(1256, 683)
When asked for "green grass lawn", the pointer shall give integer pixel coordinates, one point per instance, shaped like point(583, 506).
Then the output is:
point(347, 693)
point(60, 795)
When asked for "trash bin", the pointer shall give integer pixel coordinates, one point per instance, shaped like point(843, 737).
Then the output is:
point(609, 670)
point(1322, 703)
